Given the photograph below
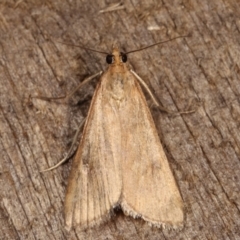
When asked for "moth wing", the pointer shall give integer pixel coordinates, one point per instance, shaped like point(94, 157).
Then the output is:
point(95, 181)
point(149, 189)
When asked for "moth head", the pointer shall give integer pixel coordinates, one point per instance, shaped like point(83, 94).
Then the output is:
point(116, 56)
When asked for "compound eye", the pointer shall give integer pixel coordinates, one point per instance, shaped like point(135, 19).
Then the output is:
point(109, 59)
point(124, 57)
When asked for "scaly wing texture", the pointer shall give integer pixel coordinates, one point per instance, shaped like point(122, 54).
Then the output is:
point(120, 160)
point(95, 181)
point(149, 189)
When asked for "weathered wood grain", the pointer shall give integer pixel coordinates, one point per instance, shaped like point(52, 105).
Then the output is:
point(200, 71)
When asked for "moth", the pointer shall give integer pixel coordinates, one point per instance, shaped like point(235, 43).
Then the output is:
point(120, 161)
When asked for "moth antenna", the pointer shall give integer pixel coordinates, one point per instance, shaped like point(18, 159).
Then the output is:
point(81, 46)
point(157, 43)
point(132, 51)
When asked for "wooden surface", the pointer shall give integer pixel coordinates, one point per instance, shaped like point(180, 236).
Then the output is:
point(201, 71)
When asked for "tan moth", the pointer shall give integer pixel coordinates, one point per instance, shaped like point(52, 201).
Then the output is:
point(120, 160)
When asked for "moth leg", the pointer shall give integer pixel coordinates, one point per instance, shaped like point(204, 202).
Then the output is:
point(71, 93)
point(70, 150)
point(154, 99)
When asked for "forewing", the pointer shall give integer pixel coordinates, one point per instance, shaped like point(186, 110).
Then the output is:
point(149, 189)
point(95, 183)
